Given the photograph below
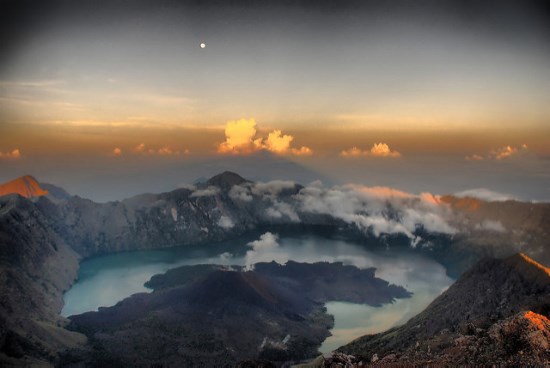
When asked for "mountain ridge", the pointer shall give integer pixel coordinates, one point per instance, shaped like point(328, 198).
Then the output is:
point(494, 293)
point(26, 186)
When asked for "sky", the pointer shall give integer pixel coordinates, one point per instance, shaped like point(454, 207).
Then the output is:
point(113, 98)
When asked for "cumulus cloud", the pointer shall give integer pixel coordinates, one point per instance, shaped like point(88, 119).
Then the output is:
point(377, 150)
point(160, 151)
point(13, 154)
point(117, 151)
point(278, 142)
point(240, 138)
point(485, 194)
point(209, 191)
point(225, 222)
point(501, 153)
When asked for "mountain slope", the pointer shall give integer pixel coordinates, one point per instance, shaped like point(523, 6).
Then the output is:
point(36, 267)
point(25, 186)
point(508, 295)
point(494, 228)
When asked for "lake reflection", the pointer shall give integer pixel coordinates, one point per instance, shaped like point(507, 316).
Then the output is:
point(105, 280)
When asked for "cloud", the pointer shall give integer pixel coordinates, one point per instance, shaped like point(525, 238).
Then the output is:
point(209, 191)
point(281, 209)
point(240, 193)
point(240, 138)
point(225, 222)
point(485, 194)
point(265, 249)
point(379, 210)
point(377, 150)
point(271, 188)
point(474, 157)
point(508, 151)
point(491, 225)
point(117, 151)
point(302, 151)
point(501, 153)
point(187, 186)
point(13, 154)
point(161, 151)
point(267, 241)
point(278, 142)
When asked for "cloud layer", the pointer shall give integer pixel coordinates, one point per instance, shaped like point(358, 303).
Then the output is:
point(373, 210)
point(377, 150)
point(240, 138)
point(160, 151)
point(485, 194)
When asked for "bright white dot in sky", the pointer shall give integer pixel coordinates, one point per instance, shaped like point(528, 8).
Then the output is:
point(203, 45)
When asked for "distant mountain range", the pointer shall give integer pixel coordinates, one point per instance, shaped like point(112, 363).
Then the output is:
point(45, 232)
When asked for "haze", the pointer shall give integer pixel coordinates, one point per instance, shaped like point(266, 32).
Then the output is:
point(110, 99)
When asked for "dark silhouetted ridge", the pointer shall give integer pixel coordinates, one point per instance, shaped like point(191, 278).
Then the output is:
point(226, 180)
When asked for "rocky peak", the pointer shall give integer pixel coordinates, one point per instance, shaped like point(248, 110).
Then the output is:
point(226, 180)
point(26, 186)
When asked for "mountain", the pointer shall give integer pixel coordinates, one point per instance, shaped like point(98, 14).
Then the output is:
point(26, 186)
point(226, 180)
point(498, 227)
point(216, 316)
point(36, 267)
point(55, 192)
point(496, 313)
point(42, 239)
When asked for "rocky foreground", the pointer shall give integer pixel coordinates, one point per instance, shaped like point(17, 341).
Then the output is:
point(495, 314)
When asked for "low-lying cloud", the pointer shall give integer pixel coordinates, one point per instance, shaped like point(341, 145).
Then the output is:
point(225, 222)
point(377, 150)
point(206, 192)
point(240, 138)
point(380, 210)
point(374, 210)
point(485, 194)
point(490, 225)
